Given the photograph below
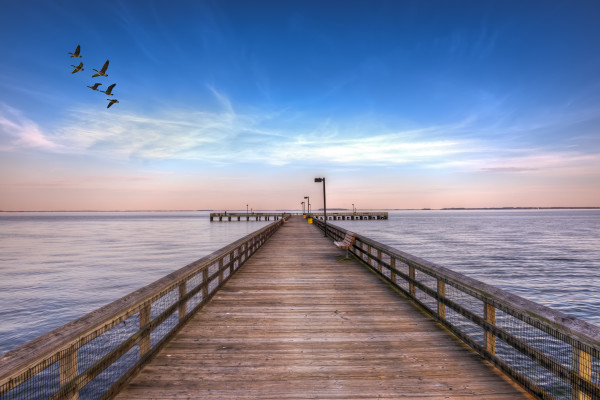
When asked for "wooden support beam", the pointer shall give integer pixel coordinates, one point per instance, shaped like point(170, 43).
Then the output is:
point(145, 344)
point(489, 314)
point(582, 364)
point(182, 309)
point(441, 291)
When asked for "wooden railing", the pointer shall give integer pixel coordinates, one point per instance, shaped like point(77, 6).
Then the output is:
point(552, 354)
point(95, 355)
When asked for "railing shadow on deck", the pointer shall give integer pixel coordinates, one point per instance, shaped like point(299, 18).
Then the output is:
point(95, 355)
point(552, 354)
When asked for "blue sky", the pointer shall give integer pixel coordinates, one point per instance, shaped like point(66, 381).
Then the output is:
point(400, 104)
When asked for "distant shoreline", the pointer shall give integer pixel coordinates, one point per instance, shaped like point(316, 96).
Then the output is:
point(319, 210)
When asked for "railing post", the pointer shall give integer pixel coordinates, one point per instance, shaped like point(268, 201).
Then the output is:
point(582, 364)
point(68, 370)
point(392, 268)
point(145, 315)
point(441, 291)
point(205, 283)
point(182, 309)
point(411, 285)
point(379, 260)
point(489, 340)
point(369, 259)
point(231, 266)
point(221, 271)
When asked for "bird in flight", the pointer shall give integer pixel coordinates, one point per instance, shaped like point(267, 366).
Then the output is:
point(77, 68)
point(77, 50)
point(95, 86)
point(108, 90)
point(111, 102)
point(102, 71)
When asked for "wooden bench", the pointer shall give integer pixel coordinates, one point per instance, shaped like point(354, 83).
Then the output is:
point(347, 243)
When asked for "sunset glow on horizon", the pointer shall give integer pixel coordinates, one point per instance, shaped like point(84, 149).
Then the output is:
point(401, 104)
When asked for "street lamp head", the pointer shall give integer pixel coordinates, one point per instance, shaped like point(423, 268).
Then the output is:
point(306, 197)
point(318, 179)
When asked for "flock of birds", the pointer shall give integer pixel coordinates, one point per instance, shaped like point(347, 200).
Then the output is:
point(102, 72)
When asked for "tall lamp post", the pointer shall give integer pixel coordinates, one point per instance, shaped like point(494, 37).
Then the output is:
point(246, 209)
point(324, 202)
point(352, 208)
point(302, 207)
point(308, 204)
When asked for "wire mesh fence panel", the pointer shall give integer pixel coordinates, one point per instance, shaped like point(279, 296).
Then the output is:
point(465, 300)
point(94, 350)
point(109, 376)
point(430, 282)
point(403, 268)
point(212, 285)
point(466, 326)
point(213, 269)
point(43, 384)
point(226, 273)
point(164, 328)
point(194, 282)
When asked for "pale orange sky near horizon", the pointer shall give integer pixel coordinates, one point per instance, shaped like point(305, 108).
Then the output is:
point(277, 187)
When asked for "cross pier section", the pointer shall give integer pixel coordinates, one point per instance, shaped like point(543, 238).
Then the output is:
point(227, 216)
point(280, 314)
point(274, 216)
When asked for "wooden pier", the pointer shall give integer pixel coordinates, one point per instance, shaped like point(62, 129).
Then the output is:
point(281, 314)
point(297, 321)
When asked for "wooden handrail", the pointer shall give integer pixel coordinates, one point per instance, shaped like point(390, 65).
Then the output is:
point(61, 345)
point(436, 282)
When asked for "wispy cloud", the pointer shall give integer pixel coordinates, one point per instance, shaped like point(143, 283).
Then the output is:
point(17, 131)
point(229, 136)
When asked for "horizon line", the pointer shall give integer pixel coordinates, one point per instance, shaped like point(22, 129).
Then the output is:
point(332, 209)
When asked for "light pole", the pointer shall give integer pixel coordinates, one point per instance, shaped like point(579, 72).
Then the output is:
point(352, 208)
point(302, 207)
point(308, 204)
point(324, 202)
point(246, 209)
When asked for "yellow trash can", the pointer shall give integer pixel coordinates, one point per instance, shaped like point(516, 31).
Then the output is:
point(303, 216)
point(309, 220)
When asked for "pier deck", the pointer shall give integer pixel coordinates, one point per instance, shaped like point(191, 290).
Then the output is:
point(298, 322)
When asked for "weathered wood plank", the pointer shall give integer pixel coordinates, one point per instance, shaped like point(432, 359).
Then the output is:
point(298, 322)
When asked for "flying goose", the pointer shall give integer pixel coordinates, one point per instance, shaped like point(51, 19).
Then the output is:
point(108, 90)
point(102, 72)
point(95, 87)
point(76, 54)
point(111, 102)
point(77, 68)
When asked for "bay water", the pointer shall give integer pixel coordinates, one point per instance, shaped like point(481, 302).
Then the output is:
point(550, 256)
point(55, 267)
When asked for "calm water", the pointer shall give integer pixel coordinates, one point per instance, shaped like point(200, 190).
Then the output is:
point(55, 267)
point(549, 256)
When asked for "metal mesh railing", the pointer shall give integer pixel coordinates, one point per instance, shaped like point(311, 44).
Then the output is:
point(92, 357)
point(553, 355)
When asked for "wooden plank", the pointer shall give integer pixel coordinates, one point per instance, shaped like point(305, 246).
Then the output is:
point(297, 321)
